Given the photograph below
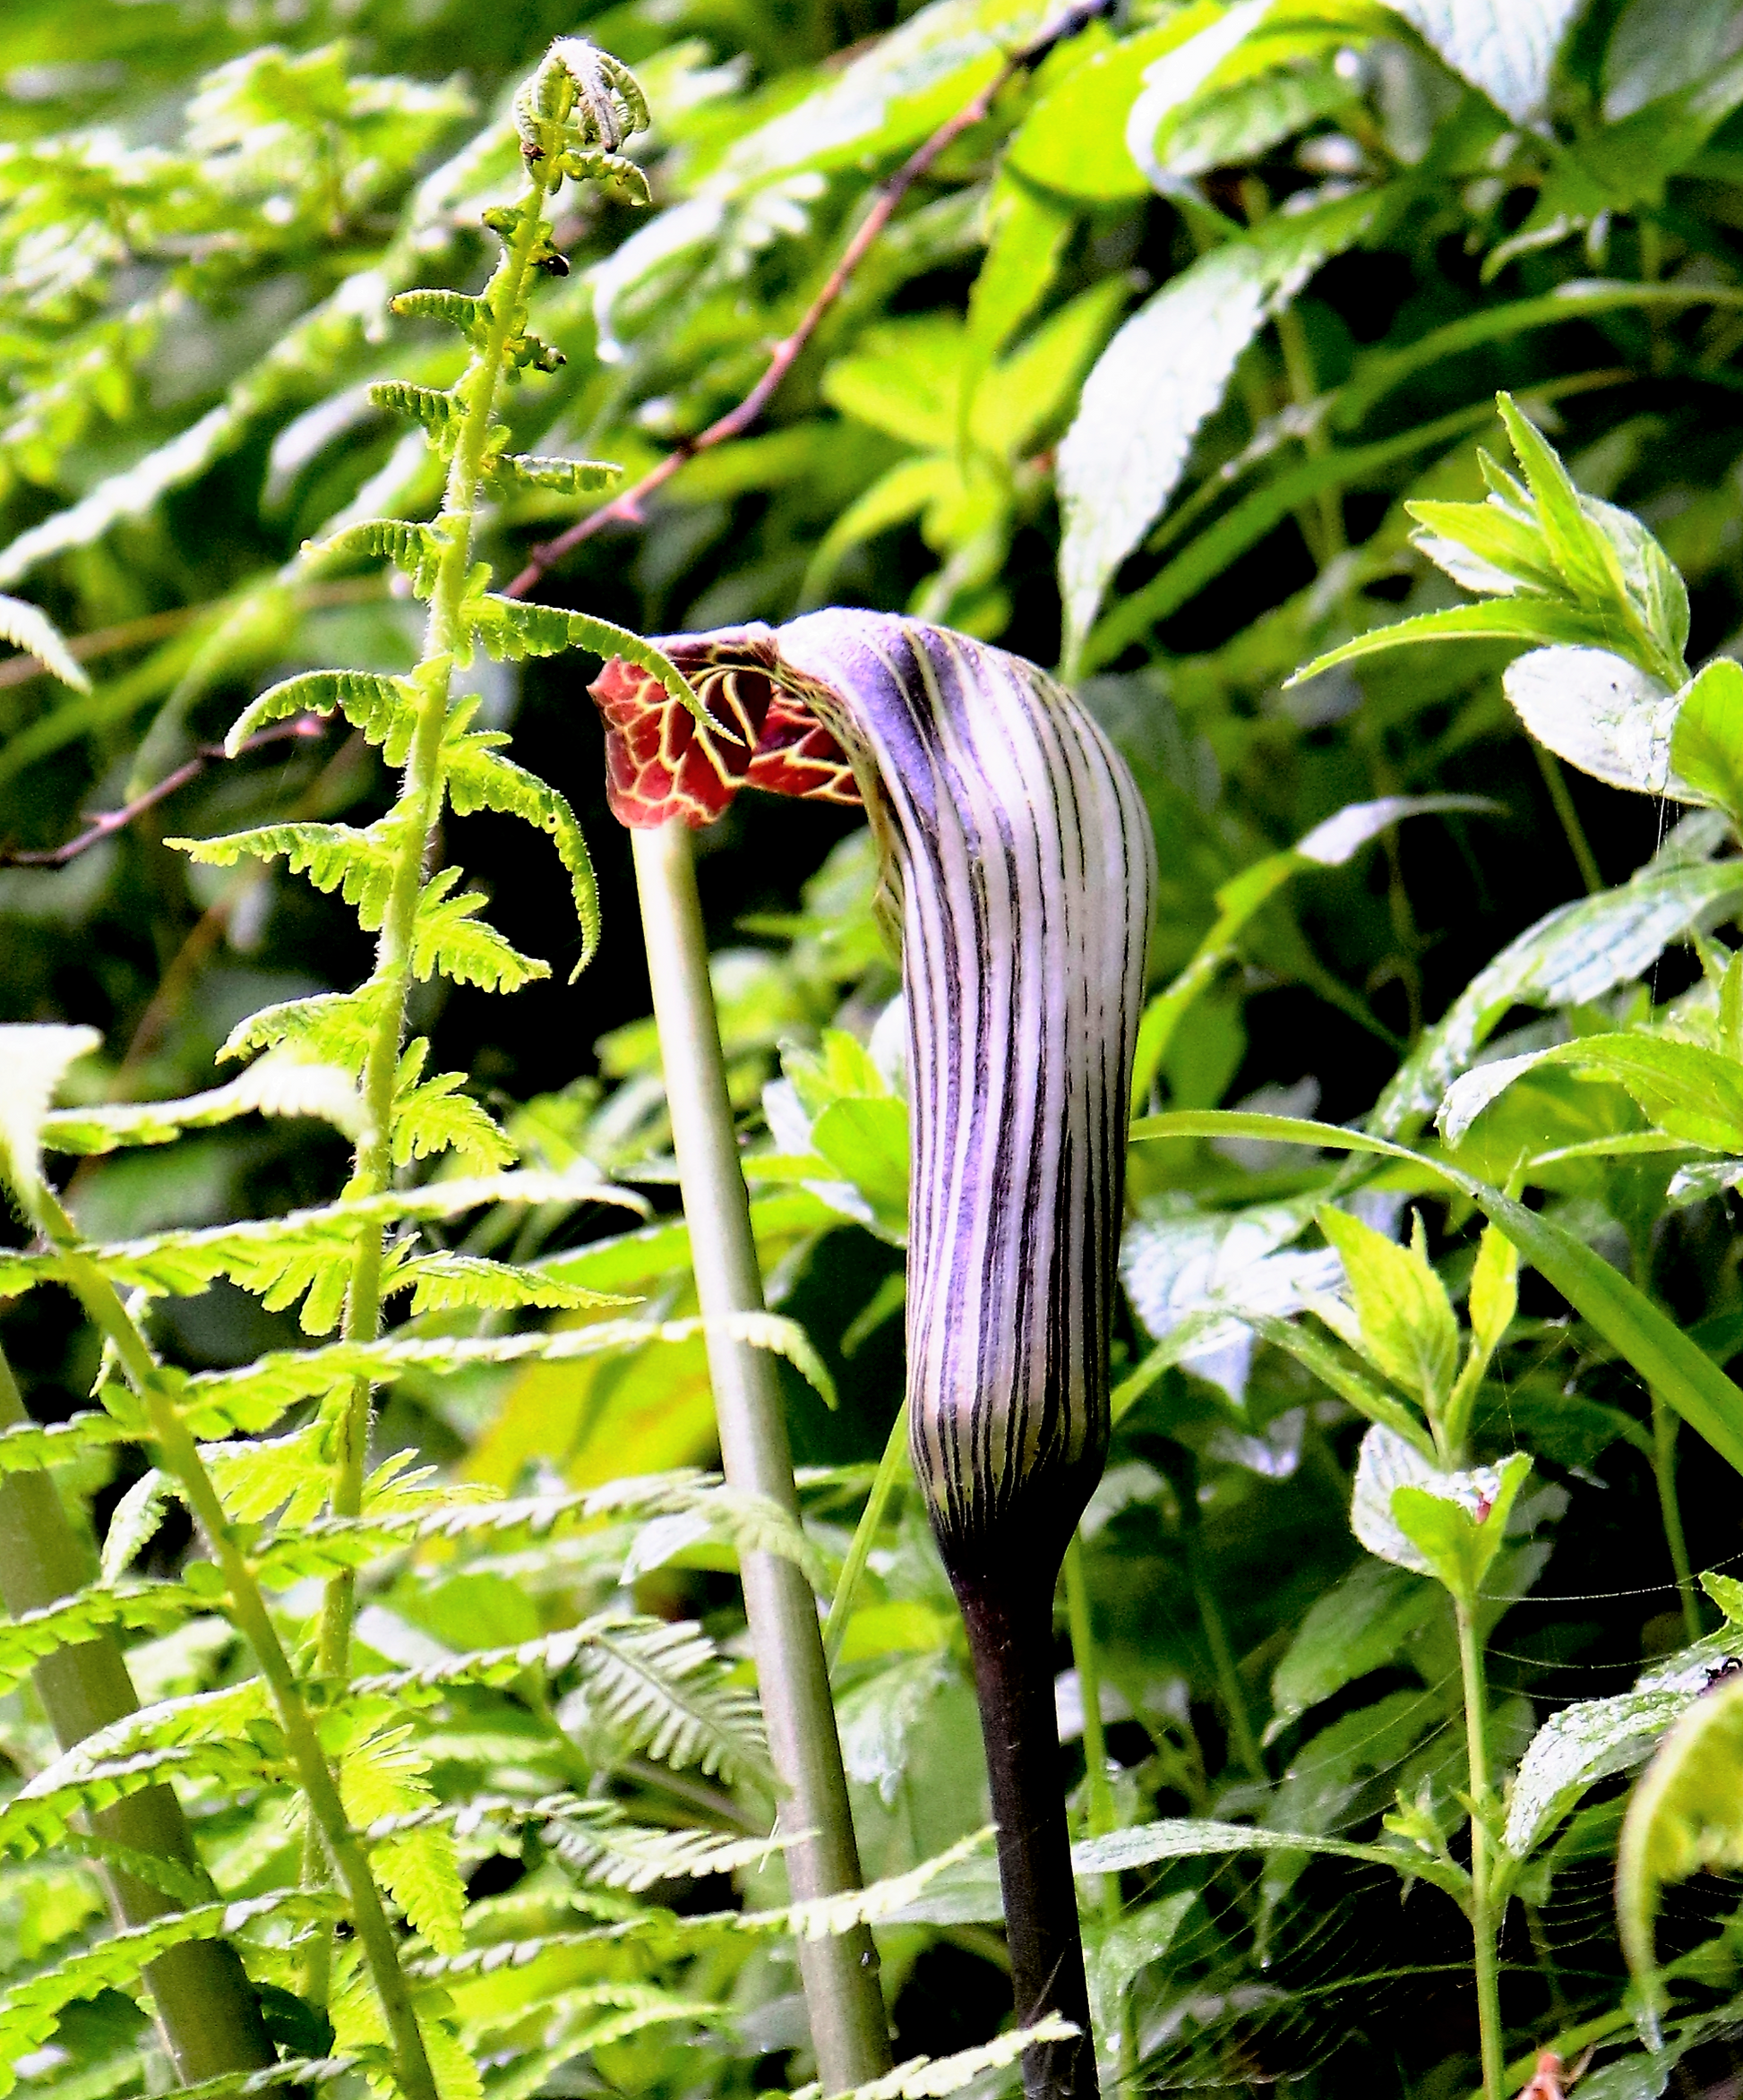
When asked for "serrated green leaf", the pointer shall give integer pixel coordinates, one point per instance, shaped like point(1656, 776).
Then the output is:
point(358, 863)
point(376, 705)
point(1407, 1318)
point(459, 310)
point(415, 550)
point(481, 778)
point(35, 1056)
point(1706, 741)
point(439, 411)
point(447, 937)
point(1688, 1092)
point(559, 478)
point(274, 1086)
point(1519, 619)
point(446, 1283)
point(28, 628)
point(511, 629)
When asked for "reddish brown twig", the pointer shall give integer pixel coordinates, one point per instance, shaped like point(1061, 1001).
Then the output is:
point(114, 820)
point(626, 508)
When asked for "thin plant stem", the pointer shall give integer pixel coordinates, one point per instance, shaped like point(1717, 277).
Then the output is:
point(205, 2006)
point(1242, 1737)
point(1484, 1925)
point(1298, 367)
point(181, 1456)
point(848, 2025)
point(1569, 818)
point(865, 1535)
point(1665, 1424)
point(1103, 1814)
point(417, 812)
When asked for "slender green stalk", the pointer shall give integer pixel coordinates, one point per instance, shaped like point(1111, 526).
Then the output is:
point(1101, 1815)
point(890, 1468)
point(1665, 1424)
point(1303, 390)
point(201, 1992)
point(181, 1455)
point(1569, 818)
point(1484, 1923)
point(417, 812)
point(840, 1973)
point(1242, 1737)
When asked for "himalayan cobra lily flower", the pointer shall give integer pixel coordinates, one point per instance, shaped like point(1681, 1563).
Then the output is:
point(1018, 867)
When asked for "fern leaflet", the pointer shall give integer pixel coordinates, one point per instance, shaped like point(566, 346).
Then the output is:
point(358, 863)
point(480, 778)
point(415, 550)
point(376, 705)
point(446, 936)
point(562, 477)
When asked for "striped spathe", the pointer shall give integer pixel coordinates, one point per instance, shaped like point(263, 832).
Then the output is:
point(1019, 860)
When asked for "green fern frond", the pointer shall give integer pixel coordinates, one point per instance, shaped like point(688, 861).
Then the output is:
point(272, 1086)
point(327, 1028)
point(287, 1474)
point(153, 1609)
point(30, 2011)
point(560, 477)
point(439, 411)
point(935, 2077)
point(29, 628)
point(136, 1520)
point(299, 2071)
point(461, 310)
point(369, 702)
point(415, 550)
point(663, 1689)
point(254, 1253)
point(511, 629)
point(480, 778)
point(449, 1282)
point(358, 863)
point(382, 1775)
point(273, 1382)
point(41, 1815)
point(421, 1873)
point(433, 1116)
point(605, 1848)
point(29, 1446)
point(447, 937)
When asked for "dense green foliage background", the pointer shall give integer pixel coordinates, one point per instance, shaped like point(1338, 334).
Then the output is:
point(1341, 246)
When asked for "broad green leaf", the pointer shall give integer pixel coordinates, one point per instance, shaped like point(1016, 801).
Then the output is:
point(1026, 231)
point(1691, 1093)
point(1118, 1951)
point(1204, 38)
point(1506, 48)
point(888, 99)
point(1450, 1525)
point(1460, 1543)
point(1515, 619)
point(1582, 1744)
point(1683, 1818)
point(867, 1140)
point(1666, 1358)
point(1359, 1625)
point(1163, 373)
point(1234, 124)
point(1601, 713)
point(34, 1059)
point(1576, 953)
point(1654, 52)
point(1073, 141)
point(1407, 1318)
point(1706, 737)
point(1193, 1838)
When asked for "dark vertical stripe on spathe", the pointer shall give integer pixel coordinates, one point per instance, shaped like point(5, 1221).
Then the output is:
point(1027, 880)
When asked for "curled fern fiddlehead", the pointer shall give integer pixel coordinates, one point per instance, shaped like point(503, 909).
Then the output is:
point(1019, 869)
